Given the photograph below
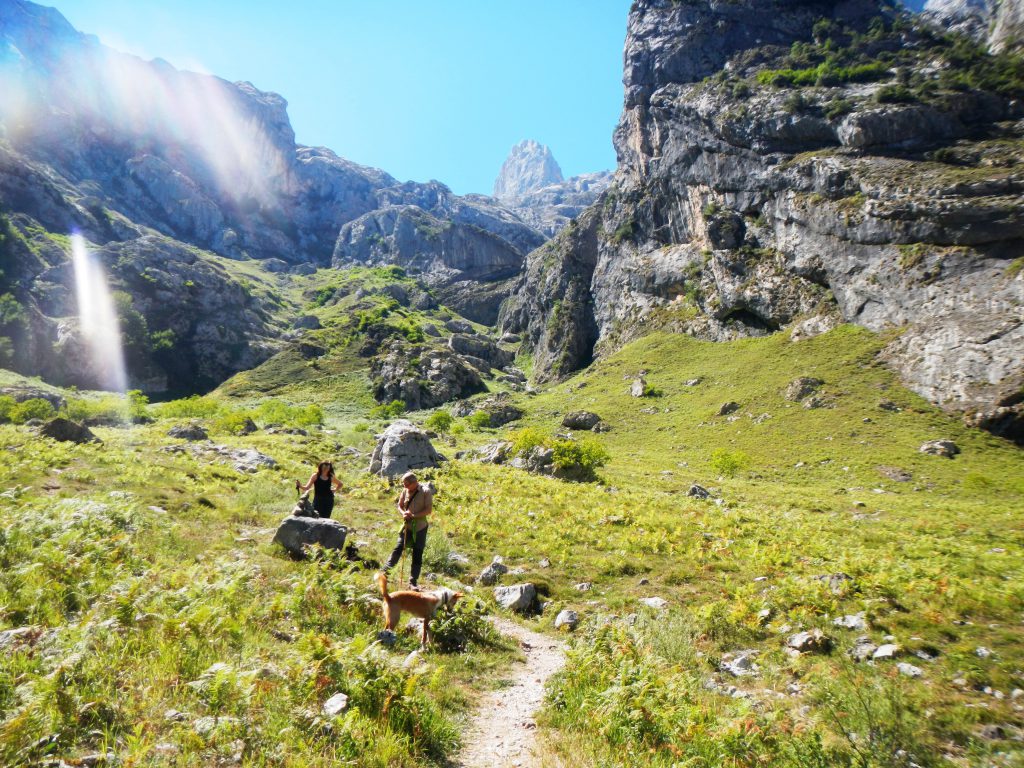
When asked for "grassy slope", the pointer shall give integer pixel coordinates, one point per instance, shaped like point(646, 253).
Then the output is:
point(200, 583)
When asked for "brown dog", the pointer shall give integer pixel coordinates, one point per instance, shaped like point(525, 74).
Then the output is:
point(423, 605)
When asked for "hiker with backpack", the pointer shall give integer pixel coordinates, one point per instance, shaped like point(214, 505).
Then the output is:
point(415, 503)
point(326, 483)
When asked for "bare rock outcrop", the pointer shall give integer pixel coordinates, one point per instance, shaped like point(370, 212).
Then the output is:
point(745, 203)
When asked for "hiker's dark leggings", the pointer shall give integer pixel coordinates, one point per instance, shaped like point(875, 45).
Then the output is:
point(418, 541)
point(323, 505)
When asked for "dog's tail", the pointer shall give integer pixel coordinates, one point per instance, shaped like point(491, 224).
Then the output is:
point(382, 580)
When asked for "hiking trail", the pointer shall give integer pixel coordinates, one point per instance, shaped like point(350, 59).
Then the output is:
point(503, 733)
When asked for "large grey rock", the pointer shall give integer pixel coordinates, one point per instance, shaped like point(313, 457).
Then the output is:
point(494, 571)
point(67, 431)
point(499, 409)
point(581, 420)
point(478, 346)
point(190, 431)
point(402, 447)
point(813, 641)
point(805, 386)
point(567, 618)
point(21, 394)
point(946, 448)
point(518, 597)
point(296, 534)
point(423, 378)
point(495, 453)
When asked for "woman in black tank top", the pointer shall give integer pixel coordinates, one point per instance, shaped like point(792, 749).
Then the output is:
point(325, 483)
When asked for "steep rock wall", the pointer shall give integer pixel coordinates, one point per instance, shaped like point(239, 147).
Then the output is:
point(744, 203)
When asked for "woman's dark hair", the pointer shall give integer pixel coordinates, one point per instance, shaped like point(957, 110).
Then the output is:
point(320, 468)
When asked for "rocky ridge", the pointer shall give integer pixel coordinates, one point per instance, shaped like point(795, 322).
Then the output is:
point(148, 160)
point(745, 202)
point(531, 183)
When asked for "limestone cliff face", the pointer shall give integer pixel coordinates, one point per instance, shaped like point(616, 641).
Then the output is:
point(745, 203)
point(997, 23)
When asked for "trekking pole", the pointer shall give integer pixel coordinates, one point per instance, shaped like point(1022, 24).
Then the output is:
point(405, 546)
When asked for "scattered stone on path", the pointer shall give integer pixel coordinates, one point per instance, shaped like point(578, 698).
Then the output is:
point(191, 431)
point(567, 618)
point(518, 597)
point(503, 731)
point(583, 586)
point(692, 382)
point(889, 405)
point(490, 575)
point(335, 705)
point(727, 408)
point(982, 652)
point(581, 420)
point(387, 637)
point(698, 492)
point(295, 534)
point(946, 448)
point(67, 431)
point(402, 447)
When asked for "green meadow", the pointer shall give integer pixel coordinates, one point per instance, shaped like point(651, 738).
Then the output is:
point(160, 625)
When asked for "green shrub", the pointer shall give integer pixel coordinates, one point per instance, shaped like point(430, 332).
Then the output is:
point(388, 410)
point(138, 403)
point(479, 420)
point(274, 411)
point(526, 439)
point(837, 108)
point(727, 462)
point(439, 421)
point(7, 404)
point(233, 423)
point(33, 408)
point(625, 231)
point(894, 94)
point(192, 407)
point(587, 455)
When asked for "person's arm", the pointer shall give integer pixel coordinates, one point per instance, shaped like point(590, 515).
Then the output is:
point(337, 483)
point(308, 485)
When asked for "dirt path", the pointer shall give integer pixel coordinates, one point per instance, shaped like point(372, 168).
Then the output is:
point(503, 732)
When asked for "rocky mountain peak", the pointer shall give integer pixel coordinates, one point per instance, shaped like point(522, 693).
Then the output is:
point(529, 166)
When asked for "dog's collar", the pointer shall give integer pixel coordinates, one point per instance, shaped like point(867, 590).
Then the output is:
point(446, 596)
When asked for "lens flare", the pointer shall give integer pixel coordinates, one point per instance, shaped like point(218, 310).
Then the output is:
point(97, 318)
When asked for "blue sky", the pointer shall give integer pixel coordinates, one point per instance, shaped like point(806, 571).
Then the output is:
point(421, 89)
